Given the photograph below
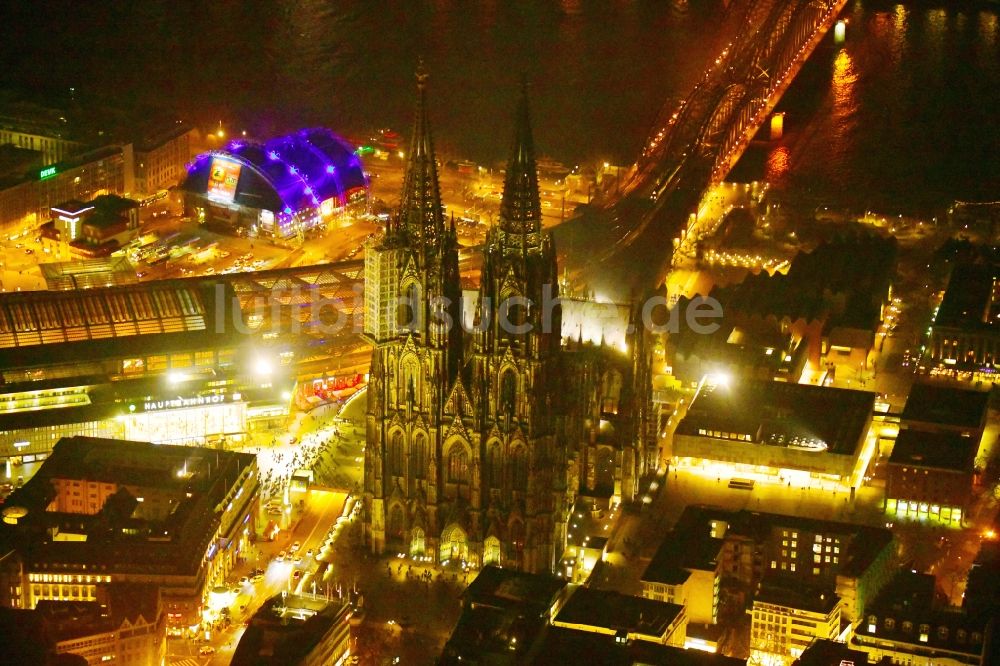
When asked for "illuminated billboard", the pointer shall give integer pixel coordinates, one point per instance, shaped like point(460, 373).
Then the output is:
point(222, 179)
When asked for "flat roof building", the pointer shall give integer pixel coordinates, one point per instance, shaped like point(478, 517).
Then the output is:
point(616, 614)
point(801, 434)
point(296, 630)
point(558, 645)
point(100, 512)
point(708, 544)
point(965, 335)
point(931, 470)
point(503, 613)
point(930, 476)
point(825, 652)
point(785, 619)
point(931, 406)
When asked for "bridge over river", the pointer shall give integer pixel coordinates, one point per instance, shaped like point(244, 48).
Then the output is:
point(629, 241)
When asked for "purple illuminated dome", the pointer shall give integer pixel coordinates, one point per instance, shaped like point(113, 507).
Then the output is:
point(287, 174)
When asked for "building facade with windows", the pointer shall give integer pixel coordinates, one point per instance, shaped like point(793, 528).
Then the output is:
point(101, 512)
point(85, 175)
point(161, 157)
point(786, 620)
point(741, 550)
point(169, 362)
point(932, 468)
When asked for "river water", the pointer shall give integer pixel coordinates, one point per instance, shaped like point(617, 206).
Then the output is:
point(905, 116)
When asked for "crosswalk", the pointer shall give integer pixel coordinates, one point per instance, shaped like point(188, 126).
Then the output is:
point(187, 661)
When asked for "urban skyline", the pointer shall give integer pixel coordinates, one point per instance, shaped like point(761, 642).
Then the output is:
point(698, 373)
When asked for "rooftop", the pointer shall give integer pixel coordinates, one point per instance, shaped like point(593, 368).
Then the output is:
point(128, 602)
point(818, 418)
point(945, 405)
point(192, 484)
point(287, 628)
point(568, 646)
point(698, 536)
point(814, 600)
point(905, 611)
point(506, 588)
point(970, 301)
point(938, 450)
point(89, 273)
point(16, 161)
point(842, 281)
point(286, 174)
point(43, 327)
point(823, 652)
point(619, 612)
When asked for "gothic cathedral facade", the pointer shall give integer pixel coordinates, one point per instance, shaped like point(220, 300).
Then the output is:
point(473, 435)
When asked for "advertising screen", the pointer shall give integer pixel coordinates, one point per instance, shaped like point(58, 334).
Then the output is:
point(222, 179)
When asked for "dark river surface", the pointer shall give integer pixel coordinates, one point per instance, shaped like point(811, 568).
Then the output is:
point(905, 116)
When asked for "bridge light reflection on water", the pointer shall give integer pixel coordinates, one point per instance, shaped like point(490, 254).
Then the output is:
point(778, 164)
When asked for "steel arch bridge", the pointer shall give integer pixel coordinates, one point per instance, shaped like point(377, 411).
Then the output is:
point(695, 143)
point(774, 36)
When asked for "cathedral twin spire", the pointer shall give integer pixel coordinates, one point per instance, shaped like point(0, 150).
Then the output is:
point(421, 216)
point(521, 208)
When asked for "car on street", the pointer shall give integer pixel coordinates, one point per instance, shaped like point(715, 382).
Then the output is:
point(296, 546)
point(309, 553)
point(297, 574)
point(244, 580)
point(281, 556)
point(205, 650)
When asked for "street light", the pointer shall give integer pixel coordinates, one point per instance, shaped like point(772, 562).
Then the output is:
point(263, 367)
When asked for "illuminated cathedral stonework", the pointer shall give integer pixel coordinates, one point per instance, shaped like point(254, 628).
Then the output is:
point(480, 439)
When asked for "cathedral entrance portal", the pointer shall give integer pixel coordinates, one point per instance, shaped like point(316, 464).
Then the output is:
point(417, 543)
point(454, 545)
point(397, 525)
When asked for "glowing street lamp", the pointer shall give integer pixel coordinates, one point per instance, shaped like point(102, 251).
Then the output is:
point(263, 367)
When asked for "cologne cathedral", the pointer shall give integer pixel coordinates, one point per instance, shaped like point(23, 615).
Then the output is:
point(486, 423)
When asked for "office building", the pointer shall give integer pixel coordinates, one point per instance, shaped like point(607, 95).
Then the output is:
point(623, 615)
point(100, 512)
point(905, 624)
point(931, 472)
point(296, 630)
point(709, 546)
point(786, 619)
